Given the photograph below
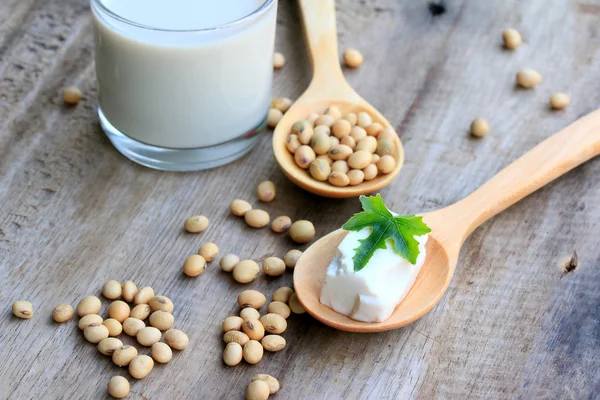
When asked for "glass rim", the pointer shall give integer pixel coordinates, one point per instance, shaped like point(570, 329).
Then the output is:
point(254, 14)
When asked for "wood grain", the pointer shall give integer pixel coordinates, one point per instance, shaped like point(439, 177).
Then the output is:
point(74, 213)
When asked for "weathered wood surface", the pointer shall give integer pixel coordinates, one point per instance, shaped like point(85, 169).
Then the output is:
point(75, 213)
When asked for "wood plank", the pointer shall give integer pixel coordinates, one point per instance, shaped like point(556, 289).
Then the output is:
point(75, 213)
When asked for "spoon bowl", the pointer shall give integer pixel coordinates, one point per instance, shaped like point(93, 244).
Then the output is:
point(327, 88)
point(431, 283)
point(301, 177)
point(450, 227)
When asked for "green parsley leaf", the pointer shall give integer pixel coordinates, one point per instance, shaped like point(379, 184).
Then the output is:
point(401, 229)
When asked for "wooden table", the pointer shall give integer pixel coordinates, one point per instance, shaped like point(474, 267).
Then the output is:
point(75, 213)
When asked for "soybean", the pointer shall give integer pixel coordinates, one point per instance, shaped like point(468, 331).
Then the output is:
point(358, 133)
point(162, 320)
point(209, 251)
point(292, 143)
point(62, 312)
point(273, 343)
point(341, 128)
point(274, 323)
point(370, 172)
point(71, 95)
point(272, 382)
point(196, 224)
point(479, 127)
point(245, 271)
point(304, 156)
point(386, 164)
point(359, 159)
point(319, 170)
point(350, 117)
point(295, 305)
point(252, 352)
point(364, 119)
point(89, 305)
point(232, 355)
point(368, 143)
point(114, 327)
point(353, 58)
point(141, 311)
point(257, 390)
point(132, 326)
point(236, 337)
point(119, 310)
point(239, 208)
point(194, 265)
point(266, 191)
point(273, 266)
point(511, 38)
point(161, 303)
point(118, 387)
point(141, 366)
point(327, 120)
point(129, 290)
point(304, 131)
point(281, 224)
point(249, 313)
point(251, 298)
point(254, 329)
point(88, 320)
point(279, 307)
point(148, 336)
point(334, 111)
point(112, 290)
point(143, 295)
point(273, 117)
point(257, 218)
point(312, 118)
point(558, 101)
point(123, 356)
point(109, 345)
point(356, 177)
point(281, 103)
point(95, 333)
point(387, 134)
point(320, 143)
point(339, 179)
point(232, 324)
point(340, 166)
point(374, 129)
point(326, 158)
point(348, 141)
point(278, 60)
point(283, 294)
point(228, 261)
point(176, 339)
point(291, 258)
point(528, 78)
point(302, 231)
point(340, 152)
point(161, 352)
point(385, 148)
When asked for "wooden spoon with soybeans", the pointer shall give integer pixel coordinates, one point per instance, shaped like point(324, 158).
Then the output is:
point(450, 226)
point(327, 88)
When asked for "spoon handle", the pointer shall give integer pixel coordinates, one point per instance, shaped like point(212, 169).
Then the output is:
point(321, 37)
point(565, 150)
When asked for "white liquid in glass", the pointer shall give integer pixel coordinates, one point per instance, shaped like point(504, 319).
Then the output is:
point(175, 89)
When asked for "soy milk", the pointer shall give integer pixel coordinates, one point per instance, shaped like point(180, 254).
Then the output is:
point(184, 74)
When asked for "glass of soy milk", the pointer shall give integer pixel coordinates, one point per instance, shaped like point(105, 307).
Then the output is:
point(184, 84)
